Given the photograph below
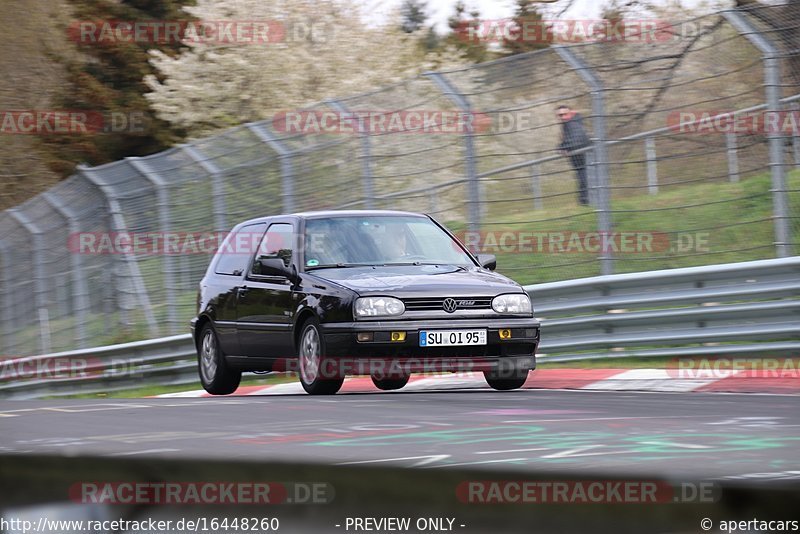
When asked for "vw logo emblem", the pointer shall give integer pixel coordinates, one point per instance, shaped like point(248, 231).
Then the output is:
point(450, 305)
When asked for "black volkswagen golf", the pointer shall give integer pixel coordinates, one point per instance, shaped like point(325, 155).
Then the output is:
point(337, 293)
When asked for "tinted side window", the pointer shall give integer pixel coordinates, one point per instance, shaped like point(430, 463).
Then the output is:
point(277, 243)
point(237, 249)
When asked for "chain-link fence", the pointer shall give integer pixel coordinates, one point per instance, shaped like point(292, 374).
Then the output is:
point(693, 158)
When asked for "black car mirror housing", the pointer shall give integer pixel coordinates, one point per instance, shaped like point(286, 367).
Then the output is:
point(276, 267)
point(488, 261)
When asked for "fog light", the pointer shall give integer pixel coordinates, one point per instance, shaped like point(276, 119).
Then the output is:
point(398, 337)
point(364, 337)
point(505, 334)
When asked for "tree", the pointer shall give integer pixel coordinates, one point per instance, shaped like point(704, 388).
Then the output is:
point(319, 49)
point(526, 15)
point(106, 80)
point(414, 15)
point(467, 34)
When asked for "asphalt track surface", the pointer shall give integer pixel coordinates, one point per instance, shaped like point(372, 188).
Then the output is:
point(712, 436)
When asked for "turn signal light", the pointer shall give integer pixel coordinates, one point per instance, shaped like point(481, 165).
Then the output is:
point(505, 334)
point(398, 337)
point(364, 337)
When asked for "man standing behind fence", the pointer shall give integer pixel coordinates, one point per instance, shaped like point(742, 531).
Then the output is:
point(573, 138)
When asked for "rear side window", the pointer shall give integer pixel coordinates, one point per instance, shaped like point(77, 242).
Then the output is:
point(237, 249)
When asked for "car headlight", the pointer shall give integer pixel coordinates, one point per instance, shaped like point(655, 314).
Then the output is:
point(379, 307)
point(516, 303)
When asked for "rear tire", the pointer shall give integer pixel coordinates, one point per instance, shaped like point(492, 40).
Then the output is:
point(506, 381)
point(216, 376)
point(313, 362)
point(390, 383)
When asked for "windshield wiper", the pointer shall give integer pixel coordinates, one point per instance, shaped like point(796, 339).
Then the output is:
point(340, 266)
point(418, 263)
point(399, 264)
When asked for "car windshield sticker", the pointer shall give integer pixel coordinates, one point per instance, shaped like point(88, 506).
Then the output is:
point(312, 263)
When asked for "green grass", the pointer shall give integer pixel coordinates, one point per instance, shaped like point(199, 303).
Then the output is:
point(734, 222)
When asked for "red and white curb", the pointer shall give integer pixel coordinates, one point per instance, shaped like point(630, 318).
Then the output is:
point(657, 380)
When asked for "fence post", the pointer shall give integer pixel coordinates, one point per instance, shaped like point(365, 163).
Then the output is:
point(772, 89)
point(602, 173)
point(591, 176)
point(8, 301)
point(39, 278)
point(287, 165)
point(796, 138)
point(217, 187)
point(366, 155)
point(165, 224)
point(80, 293)
point(652, 165)
point(128, 260)
point(536, 183)
point(733, 156)
point(473, 187)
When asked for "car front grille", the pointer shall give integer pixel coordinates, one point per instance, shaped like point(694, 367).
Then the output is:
point(437, 303)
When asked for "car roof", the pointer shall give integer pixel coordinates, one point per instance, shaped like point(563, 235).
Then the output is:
point(336, 213)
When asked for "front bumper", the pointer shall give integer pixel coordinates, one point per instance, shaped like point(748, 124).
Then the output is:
point(518, 352)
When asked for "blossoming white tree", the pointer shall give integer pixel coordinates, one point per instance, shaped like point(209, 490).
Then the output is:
point(318, 49)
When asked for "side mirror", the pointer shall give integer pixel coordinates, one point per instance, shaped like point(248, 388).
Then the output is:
point(488, 261)
point(276, 267)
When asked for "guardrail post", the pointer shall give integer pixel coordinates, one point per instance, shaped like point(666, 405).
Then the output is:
point(652, 165)
point(39, 277)
point(165, 224)
point(8, 302)
point(367, 178)
point(772, 88)
point(80, 293)
point(474, 212)
point(733, 156)
point(127, 260)
point(536, 185)
point(287, 165)
point(602, 173)
point(217, 187)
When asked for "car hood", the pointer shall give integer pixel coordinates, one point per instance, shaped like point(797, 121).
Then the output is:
point(420, 280)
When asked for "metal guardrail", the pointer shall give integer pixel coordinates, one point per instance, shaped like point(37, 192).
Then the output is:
point(734, 309)
point(738, 308)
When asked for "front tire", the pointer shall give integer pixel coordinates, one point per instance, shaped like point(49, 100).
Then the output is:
point(506, 381)
point(390, 383)
point(215, 375)
point(313, 362)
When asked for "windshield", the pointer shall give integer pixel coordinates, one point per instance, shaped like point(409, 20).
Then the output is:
point(379, 240)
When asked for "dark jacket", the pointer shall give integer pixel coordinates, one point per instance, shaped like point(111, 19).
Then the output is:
point(573, 134)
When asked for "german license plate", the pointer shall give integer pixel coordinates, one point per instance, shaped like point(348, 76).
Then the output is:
point(452, 338)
